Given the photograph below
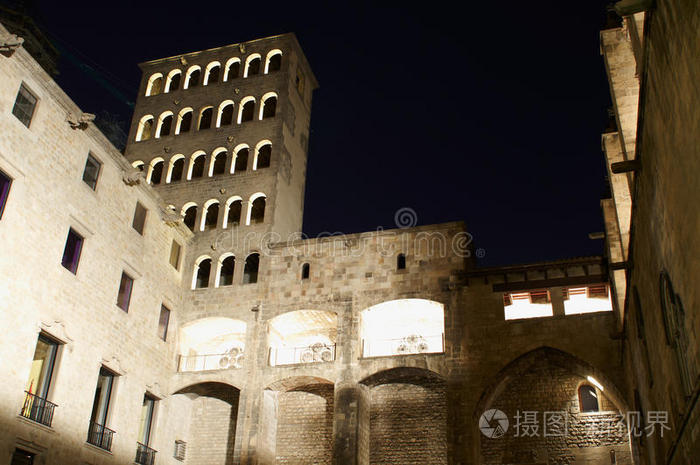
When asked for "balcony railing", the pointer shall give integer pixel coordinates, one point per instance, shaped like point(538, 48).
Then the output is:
point(204, 362)
point(408, 345)
point(37, 409)
point(144, 454)
point(315, 353)
point(100, 436)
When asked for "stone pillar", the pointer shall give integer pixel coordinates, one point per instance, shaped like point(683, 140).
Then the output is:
point(351, 424)
point(557, 297)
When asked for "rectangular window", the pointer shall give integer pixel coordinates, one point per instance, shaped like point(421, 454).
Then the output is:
point(98, 434)
point(91, 171)
point(163, 322)
point(175, 255)
point(22, 457)
point(139, 218)
point(146, 422)
point(5, 182)
point(125, 287)
point(25, 103)
point(71, 252)
point(36, 407)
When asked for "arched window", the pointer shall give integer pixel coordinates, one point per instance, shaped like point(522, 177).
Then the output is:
point(194, 75)
point(177, 168)
point(155, 85)
point(250, 271)
point(401, 262)
point(184, 120)
point(165, 124)
point(226, 268)
point(202, 270)
point(241, 163)
point(212, 75)
point(210, 216)
point(138, 164)
point(305, 271)
point(218, 163)
point(233, 69)
point(145, 129)
point(205, 118)
point(156, 172)
point(274, 61)
point(233, 212)
point(263, 155)
point(246, 111)
point(269, 106)
point(173, 81)
point(197, 165)
point(225, 116)
point(588, 399)
point(252, 65)
point(189, 213)
point(256, 211)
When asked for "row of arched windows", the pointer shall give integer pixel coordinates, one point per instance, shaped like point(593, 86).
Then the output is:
point(170, 124)
point(224, 270)
point(232, 211)
point(197, 166)
point(212, 73)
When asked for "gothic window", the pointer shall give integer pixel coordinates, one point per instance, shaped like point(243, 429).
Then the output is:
point(588, 399)
point(225, 117)
point(262, 159)
point(184, 121)
point(194, 74)
point(234, 213)
point(205, 118)
point(233, 69)
point(145, 128)
point(213, 71)
point(226, 271)
point(201, 273)
point(252, 65)
point(165, 124)
point(190, 216)
point(155, 85)
point(173, 81)
point(246, 111)
point(178, 167)
point(198, 166)
point(219, 164)
point(211, 216)
point(274, 61)
point(241, 160)
point(257, 210)
point(156, 171)
point(269, 106)
point(250, 271)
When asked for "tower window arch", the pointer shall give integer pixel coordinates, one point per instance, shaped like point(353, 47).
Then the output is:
point(240, 159)
point(588, 399)
point(165, 124)
point(197, 165)
point(218, 162)
point(268, 107)
point(194, 75)
point(246, 110)
point(184, 120)
point(210, 215)
point(252, 65)
point(155, 174)
point(263, 154)
point(189, 214)
point(176, 168)
point(155, 85)
point(212, 74)
point(202, 271)
point(250, 271)
point(256, 210)
point(227, 264)
point(145, 128)
point(139, 165)
point(305, 271)
point(401, 261)
point(234, 206)
point(225, 114)
point(273, 62)
point(233, 69)
point(172, 83)
point(205, 117)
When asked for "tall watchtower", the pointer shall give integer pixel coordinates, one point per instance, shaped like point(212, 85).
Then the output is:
point(222, 134)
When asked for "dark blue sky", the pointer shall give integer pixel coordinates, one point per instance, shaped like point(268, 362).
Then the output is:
point(491, 114)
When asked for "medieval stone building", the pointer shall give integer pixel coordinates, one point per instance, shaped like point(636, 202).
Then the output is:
point(163, 308)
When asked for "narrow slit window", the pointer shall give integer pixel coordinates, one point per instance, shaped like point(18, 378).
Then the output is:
point(163, 322)
point(91, 171)
point(126, 285)
point(71, 252)
point(305, 271)
point(5, 183)
point(175, 255)
point(139, 221)
point(25, 104)
point(401, 262)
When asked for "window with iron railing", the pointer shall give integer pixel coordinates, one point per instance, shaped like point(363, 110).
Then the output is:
point(36, 407)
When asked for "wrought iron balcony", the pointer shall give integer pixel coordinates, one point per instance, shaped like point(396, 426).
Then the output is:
point(100, 436)
point(37, 409)
point(203, 362)
point(315, 353)
point(144, 454)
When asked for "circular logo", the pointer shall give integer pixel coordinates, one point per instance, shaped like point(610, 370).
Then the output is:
point(493, 423)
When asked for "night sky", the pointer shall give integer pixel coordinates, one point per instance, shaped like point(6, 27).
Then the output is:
point(491, 114)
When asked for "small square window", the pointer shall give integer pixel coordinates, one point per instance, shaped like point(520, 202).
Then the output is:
point(175, 255)
point(163, 322)
point(5, 183)
point(125, 287)
point(71, 252)
point(91, 171)
point(25, 103)
point(139, 218)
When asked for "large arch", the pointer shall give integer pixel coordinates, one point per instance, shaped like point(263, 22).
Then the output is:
point(214, 343)
point(302, 336)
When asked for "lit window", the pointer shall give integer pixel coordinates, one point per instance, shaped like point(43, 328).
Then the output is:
point(163, 321)
point(526, 304)
point(125, 287)
point(91, 171)
point(588, 399)
point(71, 252)
point(139, 218)
point(36, 407)
point(589, 299)
point(175, 255)
point(25, 103)
point(5, 183)
point(98, 433)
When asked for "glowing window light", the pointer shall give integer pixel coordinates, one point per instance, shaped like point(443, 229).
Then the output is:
point(589, 299)
point(532, 304)
point(595, 382)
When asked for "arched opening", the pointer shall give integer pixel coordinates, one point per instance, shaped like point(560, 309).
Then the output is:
point(155, 175)
point(210, 216)
point(241, 161)
point(302, 336)
point(273, 62)
point(218, 164)
point(225, 116)
point(252, 65)
point(189, 213)
point(184, 121)
point(145, 128)
point(197, 165)
point(305, 271)
point(269, 106)
point(246, 111)
point(256, 211)
point(401, 262)
point(202, 271)
point(402, 327)
point(233, 211)
point(250, 270)
point(263, 156)
point(233, 69)
point(139, 165)
point(173, 81)
point(194, 75)
point(165, 123)
point(155, 85)
point(212, 74)
point(177, 168)
point(227, 265)
point(205, 118)
point(212, 344)
point(587, 399)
